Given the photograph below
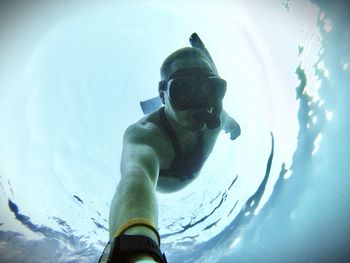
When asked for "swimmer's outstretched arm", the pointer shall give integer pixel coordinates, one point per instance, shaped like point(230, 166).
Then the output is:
point(135, 197)
point(230, 125)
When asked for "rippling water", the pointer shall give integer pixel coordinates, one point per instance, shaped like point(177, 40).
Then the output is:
point(72, 76)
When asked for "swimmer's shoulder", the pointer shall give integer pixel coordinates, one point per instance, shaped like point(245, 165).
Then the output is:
point(146, 130)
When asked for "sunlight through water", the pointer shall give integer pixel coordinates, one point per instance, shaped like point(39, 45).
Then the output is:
point(71, 79)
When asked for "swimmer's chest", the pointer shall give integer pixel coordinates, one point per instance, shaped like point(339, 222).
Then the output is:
point(188, 144)
point(199, 146)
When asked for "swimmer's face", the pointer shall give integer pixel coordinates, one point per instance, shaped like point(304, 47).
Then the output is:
point(185, 117)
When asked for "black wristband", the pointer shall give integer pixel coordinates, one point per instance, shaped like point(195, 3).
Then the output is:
point(125, 247)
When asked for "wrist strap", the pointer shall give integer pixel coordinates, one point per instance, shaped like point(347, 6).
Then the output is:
point(137, 222)
point(125, 247)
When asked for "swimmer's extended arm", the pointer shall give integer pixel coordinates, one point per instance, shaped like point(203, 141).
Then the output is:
point(230, 125)
point(136, 193)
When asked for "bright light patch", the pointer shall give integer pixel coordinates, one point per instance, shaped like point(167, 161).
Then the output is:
point(329, 115)
point(326, 73)
point(317, 144)
point(345, 66)
point(318, 83)
point(327, 25)
point(235, 242)
point(320, 65)
point(287, 175)
point(315, 98)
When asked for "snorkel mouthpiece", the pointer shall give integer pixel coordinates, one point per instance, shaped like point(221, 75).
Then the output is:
point(211, 120)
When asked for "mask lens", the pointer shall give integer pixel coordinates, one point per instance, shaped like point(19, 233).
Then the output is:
point(209, 92)
point(181, 91)
point(190, 92)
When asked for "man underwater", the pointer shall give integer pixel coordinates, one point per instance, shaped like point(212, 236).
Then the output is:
point(165, 151)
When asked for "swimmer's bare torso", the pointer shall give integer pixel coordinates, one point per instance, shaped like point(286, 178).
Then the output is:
point(150, 128)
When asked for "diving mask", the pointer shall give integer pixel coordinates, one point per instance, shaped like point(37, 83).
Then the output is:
point(195, 93)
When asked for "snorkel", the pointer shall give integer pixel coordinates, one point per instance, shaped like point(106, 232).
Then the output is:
point(196, 42)
point(211, 119)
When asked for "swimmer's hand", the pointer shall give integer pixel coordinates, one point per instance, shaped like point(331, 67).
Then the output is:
point(233, 128)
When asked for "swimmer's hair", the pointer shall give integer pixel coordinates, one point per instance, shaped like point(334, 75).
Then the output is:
point(186, 53)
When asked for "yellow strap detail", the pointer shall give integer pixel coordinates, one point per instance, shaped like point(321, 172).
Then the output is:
point(137, 222)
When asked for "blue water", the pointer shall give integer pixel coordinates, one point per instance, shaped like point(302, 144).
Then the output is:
point(72, 76)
